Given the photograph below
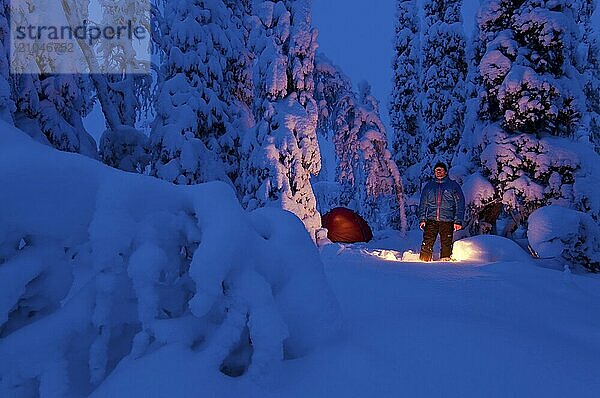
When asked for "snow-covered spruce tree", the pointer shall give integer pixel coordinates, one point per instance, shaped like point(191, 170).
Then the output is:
point(481, 212)
point(202, 85)
point(338, 136)
point(589, 65)
point(332, 89)
point(239, 75)
point(281, 152)
point(529, 107)
point(478, 191)
point(129, 90)
point(444, 68)
point(7, 106)
point(51, 107)
point(405, 103)
point(592, 92)
point(121, 96)
point(361, 173)
point(382, 198)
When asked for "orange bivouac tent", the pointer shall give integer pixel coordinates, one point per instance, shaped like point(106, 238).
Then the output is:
point(344, 225)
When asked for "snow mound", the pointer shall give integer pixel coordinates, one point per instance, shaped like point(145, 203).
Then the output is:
point(555, 231)
point(410, 255)
point(488, 248)
point(383, 254)
point(99, 266)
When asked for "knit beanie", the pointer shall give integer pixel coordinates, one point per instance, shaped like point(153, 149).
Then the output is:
point(442, 165)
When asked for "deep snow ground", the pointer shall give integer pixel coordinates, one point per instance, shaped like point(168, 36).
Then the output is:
point(466, 329)
point(499, 329)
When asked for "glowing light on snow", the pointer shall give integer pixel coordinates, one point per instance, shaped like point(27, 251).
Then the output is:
point(465, 250)
point(414, 257)
point(483, 248)
point(411, 256)
point(387, 255)
point(407, 256)
point(462, 251)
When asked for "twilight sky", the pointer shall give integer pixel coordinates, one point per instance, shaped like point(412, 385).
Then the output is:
point(357, 35)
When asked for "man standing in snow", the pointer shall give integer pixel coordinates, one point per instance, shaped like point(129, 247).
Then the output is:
point(441, 211)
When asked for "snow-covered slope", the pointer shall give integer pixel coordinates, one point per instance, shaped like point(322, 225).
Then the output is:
point(117, 284)
point(462, 329)
point(100, 267)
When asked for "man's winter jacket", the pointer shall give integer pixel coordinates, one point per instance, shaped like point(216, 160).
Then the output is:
point(442, 200)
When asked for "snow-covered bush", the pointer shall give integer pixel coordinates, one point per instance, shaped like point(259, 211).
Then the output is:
point(555, 231)
point(98, 266)
point(125, 149)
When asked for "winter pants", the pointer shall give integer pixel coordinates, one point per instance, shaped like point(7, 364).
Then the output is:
point(432, 228)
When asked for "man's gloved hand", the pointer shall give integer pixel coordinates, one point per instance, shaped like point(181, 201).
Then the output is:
point(457, 227)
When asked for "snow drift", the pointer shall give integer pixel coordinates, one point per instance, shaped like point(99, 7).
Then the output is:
point(98, 265)
point(488, 249)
